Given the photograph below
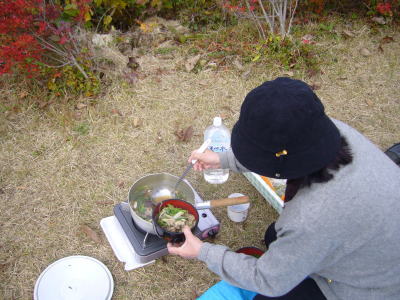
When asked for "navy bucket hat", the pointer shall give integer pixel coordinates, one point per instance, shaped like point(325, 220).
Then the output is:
point(283, 131)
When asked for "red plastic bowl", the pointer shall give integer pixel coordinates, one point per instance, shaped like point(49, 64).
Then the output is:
point(173, 237)
point(253, 251)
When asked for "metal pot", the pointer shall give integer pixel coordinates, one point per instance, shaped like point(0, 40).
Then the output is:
point(162, 187)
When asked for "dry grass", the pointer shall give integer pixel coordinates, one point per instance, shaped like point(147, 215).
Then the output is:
point(54, 178)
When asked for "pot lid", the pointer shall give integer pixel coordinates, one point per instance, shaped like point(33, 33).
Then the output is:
point(75, 278)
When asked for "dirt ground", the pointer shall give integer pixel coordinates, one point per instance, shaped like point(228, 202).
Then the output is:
point(62, 168)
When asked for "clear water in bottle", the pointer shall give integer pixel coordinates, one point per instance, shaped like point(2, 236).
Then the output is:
point(220, 141)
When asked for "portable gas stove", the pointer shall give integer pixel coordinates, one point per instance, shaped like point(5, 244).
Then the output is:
point(138, 248)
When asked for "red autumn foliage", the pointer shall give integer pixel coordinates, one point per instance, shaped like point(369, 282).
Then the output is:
point(384, 8)
point(18, 46)
point(29, 29)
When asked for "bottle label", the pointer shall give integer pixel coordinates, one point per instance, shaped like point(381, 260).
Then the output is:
point(220, 141)
point(220, 148)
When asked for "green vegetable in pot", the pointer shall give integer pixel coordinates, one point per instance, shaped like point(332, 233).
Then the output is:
point(143, 202)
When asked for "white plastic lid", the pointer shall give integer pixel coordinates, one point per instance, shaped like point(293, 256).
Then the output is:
point(75, 278)
point(217, 121)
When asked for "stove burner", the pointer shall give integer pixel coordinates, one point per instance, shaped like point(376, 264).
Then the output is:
point(144, 243)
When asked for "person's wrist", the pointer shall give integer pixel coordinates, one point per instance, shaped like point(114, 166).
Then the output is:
point(198, 248)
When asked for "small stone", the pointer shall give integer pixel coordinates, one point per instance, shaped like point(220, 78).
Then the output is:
point(246, 75)
point(365, 52)
point(288, 73)
point(379, 20)
point(348, 33)
point(212, 64)
point(191, 63)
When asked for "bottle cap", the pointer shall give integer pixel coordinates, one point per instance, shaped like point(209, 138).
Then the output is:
point(217, 121)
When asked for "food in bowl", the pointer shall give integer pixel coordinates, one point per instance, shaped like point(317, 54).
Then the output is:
point(173, 219)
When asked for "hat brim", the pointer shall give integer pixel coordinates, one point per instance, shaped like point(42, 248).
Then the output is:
point(293, 165)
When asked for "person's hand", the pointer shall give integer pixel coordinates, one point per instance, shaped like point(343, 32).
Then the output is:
point(190, 248)
point(206, 160)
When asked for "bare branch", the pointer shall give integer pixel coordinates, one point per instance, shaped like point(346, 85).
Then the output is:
point(49, 46)
point(269, 21)
point(258, 24)
point(292, 16)
point(101, 18)
point(79, 67)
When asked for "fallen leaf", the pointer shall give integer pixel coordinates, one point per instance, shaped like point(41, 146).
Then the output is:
point(311, 72)
point(137, 122)
point(187, 134)
point(23, 94)
point(81, 105)
point(365, 52)
point(161, 71)
point(116, 112)
point(90, 233)
point(257, 57)
point(315, 86)
point(121, 184)
point(228, 108)
point(184, 135)
point(223, 116)
point(348, 33)
point(43, 104)
point(369, 102)
point(379, 20)
point(191, 63)
point(387, 39)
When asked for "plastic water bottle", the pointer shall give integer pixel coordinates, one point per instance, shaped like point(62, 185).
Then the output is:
point(220, 137)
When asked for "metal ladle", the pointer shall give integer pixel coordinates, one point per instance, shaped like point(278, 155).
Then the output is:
point(202, 148)
point(167, 192)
